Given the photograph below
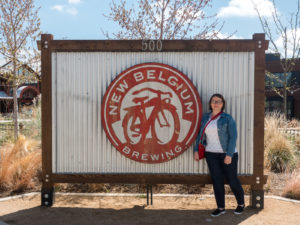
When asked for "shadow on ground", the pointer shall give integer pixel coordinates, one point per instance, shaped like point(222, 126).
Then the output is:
point(132, 216)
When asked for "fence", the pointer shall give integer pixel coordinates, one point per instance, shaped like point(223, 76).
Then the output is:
point(7, 129)
point(292, 133)
point(295, 131)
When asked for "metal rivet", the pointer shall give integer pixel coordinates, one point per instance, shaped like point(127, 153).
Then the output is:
point(46, 203)
point(259, 46)
point(47, 180)
point(259, 42)
point(257, 198)
point(46, 196)
point(257, 181)
point(257, 178)
point(46, 44)
point(47, 175)
point(257, 205)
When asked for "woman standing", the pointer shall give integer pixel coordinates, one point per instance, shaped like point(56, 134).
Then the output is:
point(221, 156)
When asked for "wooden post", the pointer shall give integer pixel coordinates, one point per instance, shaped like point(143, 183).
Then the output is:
point(257, 193)
point(47, 182)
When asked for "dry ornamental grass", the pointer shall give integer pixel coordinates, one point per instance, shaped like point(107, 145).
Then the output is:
point(292, 189)
point(282, 153)
point(19, 165)
point(279, 150)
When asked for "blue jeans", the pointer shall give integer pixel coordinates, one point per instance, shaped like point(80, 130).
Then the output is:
point(218, 171)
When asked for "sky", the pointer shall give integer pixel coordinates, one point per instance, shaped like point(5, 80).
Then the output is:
point(84, 19)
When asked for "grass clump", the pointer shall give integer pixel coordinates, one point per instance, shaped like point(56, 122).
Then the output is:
point(279, 150)
point(292, 188)
point(280, 155)
point(294, 123)
point(20, 163)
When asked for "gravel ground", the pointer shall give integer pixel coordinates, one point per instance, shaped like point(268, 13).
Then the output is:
point(180, 210)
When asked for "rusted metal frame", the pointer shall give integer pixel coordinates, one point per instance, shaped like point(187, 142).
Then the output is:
point(167, 46)
point(47, 182)
point(143, 178)
point(257, 198)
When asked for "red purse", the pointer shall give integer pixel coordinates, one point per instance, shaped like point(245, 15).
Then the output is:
point(201, 151)
point(201, 147)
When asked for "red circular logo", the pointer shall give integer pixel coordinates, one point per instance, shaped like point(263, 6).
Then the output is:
point(151, 112)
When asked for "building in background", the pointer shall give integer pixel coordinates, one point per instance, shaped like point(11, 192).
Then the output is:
point(26, 92)
point(274, 101)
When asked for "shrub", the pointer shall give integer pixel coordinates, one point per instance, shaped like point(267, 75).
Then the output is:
point(280, 155)
point(19, 165)
point(273, 121)
point(279, 150)
point(293, 123)
point(292, 188)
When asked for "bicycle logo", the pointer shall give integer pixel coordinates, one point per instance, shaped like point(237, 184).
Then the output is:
point(151, 113)
point(136, 125)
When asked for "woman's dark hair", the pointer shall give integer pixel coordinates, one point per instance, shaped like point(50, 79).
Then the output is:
point(219, 96)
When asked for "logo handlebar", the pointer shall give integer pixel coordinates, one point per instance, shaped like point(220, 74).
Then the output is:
point(158, 92)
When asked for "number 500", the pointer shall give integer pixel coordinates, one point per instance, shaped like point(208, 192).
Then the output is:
point(152, 45)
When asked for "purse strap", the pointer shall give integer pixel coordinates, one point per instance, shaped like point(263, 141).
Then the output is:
point(213, 118)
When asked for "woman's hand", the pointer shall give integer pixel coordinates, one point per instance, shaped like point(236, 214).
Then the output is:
point(227, 160)
point(196, 156)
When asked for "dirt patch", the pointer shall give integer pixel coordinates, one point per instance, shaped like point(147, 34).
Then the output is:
point(275, 185)
point(132, 210)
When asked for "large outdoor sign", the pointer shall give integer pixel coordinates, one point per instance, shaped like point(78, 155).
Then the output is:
point(151, 112)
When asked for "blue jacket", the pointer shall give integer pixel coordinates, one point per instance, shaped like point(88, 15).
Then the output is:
point(227, 132)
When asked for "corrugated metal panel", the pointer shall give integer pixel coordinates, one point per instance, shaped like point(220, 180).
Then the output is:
point(80, 80)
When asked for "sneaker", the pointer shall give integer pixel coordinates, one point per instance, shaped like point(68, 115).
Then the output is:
point(239, 209)
point(218, 212)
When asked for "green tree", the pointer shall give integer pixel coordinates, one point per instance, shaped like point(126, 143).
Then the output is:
point(19, 28)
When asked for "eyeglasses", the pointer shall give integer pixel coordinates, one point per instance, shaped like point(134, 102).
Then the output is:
point(216, 102)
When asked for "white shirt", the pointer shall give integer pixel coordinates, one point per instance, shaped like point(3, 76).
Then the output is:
point(212, 137)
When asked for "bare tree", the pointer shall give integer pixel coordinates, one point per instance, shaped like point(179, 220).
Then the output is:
point(164, 19)
point(19, 27)
point(284, 36)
